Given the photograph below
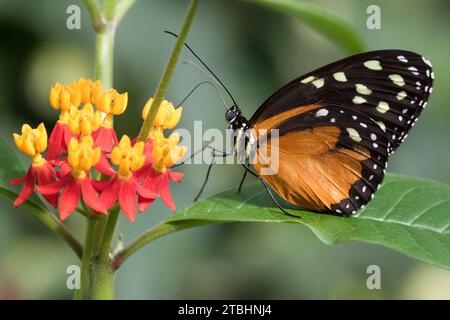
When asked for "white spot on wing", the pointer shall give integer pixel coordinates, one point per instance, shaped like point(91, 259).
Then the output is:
point(358, 100)
point(322, 113)
point(397, 79)
point(382, 107)
point(308, 80)
point(402, 59)
point(340, 76)
point(414, 71)
point(362, 89)
point(382, 125)
point(401, 95)
point(354, 134)
point(318, 83)
point(373, 65)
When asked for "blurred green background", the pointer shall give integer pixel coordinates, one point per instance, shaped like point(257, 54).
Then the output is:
point(254, 51)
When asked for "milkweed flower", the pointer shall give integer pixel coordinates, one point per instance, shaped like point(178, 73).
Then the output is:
point(33, 142)
point(76, 182)
point(83, 144)
point(125, 186)
point(165, 152)
point(111, 103)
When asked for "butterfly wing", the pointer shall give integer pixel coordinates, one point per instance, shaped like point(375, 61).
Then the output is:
point(390, 86)
point(329, 158)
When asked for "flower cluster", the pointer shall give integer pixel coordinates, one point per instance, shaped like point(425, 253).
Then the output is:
point(85, 163)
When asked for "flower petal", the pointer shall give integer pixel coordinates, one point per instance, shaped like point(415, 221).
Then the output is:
point(110, 194)
point(90, 196)
point(152, 182)
point(144, 203)
point(69, 199)
point(104, 167)
point(16, 182)
point(101, 186)
point(144, 192)
point(68, 135)
point(105, 138)
point(175, 176)
point(55, 187)
point(55, 141)
point(45, 175)
point(27, 189)
point(164, 192)
point(127, 199)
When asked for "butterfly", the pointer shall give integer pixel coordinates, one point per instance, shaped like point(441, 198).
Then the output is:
point(337, 126)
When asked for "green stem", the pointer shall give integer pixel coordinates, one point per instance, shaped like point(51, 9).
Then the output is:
point(109, 8)
point(167, 75)
point(102, 280)
point(109, 232)
point(104, 56)
point(158, 231)
point(49, 220)
point(94, 12)
point(86, 261)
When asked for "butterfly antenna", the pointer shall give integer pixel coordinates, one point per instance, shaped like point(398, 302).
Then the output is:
point(204, 64)
point(199, 85)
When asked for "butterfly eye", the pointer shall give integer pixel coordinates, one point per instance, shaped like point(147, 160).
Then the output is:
point(231, 114)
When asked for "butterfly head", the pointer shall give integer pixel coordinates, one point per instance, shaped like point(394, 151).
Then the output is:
point(235, 118)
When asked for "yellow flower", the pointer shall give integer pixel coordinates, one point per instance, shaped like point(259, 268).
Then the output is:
point(82, 156)
point(113, 104)
point(85, 121)
point(63, 97)
point(32, 142)
point(86, 89)
point(166, 152)
point(129, 158)
point(167, 116)
point(96, 91)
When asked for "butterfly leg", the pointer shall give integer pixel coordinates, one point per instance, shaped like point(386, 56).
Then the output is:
point(191, 156)
point(242, 181)
point(266, 187)
point(208, 172)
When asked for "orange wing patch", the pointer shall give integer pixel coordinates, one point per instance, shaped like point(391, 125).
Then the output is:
point(313, 173)
point(275, 121)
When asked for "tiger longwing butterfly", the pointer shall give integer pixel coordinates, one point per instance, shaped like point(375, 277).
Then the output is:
point(337, 126)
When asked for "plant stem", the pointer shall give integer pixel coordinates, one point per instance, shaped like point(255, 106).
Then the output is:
point(86, 261)
point(97, 21)
point(102, 279)
point(104, 56)
point(167, 75)
point(49, 220)
point(158, 231)
point(105, 248)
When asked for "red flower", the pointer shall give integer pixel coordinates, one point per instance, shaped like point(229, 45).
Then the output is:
point(36, 175)
point(158, 183)
point(59, 140)
point(125, 190)
point(75, 181)
point(125, 186)
point(105, 138)
point(72, 189)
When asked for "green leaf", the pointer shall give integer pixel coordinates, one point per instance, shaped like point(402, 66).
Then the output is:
point(10, 168)
point(320, 19)
point(408, 214)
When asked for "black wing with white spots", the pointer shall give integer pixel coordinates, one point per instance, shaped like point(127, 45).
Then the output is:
point(358, 133)
point(390, 86)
